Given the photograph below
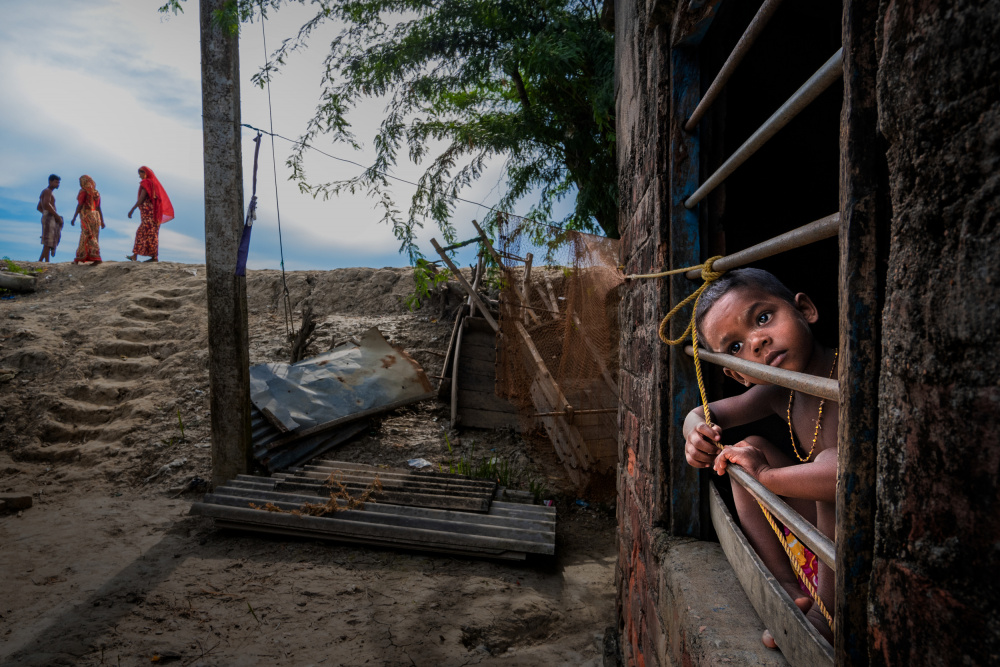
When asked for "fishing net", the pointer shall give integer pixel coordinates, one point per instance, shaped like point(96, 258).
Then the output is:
point(558, 345)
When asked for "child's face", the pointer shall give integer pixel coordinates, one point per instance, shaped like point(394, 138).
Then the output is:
point(755, 325)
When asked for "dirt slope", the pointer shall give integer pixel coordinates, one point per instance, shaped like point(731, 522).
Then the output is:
point(104, 421)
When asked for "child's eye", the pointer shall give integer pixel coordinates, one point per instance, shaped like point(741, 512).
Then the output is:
point(763, 318)
point(734, 348)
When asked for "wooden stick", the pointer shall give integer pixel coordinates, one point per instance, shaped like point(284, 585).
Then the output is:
point(449, 353)
point(480, 267)
point(466, 286)
point(526, 283)
point(599, 411)
point(454, 376)
point(545, 300)
point(510, 278)
point(552, 294)
point(548, 382)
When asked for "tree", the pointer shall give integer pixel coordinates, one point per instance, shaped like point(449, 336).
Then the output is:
point(527, 81)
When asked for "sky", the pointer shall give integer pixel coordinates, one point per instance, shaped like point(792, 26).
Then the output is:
point(102, 87)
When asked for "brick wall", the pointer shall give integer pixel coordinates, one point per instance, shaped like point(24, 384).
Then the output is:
point(638, 77)
point(932, 600)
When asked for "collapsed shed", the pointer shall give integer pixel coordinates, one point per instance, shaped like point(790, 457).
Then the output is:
point(303, 410)
point(554, 348)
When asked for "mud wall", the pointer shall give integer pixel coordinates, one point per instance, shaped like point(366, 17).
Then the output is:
point(937, 525)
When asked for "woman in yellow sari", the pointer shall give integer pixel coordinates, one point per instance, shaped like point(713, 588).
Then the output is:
point(88, 207)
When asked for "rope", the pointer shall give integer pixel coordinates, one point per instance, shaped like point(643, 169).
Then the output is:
point(708, 275)
point(813, 593)
point(289, 324)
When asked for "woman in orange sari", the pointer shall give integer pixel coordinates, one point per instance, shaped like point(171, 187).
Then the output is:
point(88, 207)
point(154, 209)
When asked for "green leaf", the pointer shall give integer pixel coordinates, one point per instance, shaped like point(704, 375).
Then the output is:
point(464, 81)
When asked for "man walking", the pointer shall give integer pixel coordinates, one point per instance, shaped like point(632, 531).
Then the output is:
point(52, 222)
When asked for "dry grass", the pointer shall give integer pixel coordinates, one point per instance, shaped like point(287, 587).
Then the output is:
point(332, 505)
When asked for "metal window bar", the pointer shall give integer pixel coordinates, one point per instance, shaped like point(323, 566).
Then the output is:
point(827, 388)
point(831, 70)
point(819, 543)
point(753, 31)
point(814, 231)
point(817, 230)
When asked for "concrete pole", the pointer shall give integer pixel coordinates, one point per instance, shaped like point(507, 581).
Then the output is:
point(228, 342)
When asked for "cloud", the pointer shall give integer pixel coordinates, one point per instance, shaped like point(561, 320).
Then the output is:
point(114, 84)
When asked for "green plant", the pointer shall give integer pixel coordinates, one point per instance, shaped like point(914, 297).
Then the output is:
point(427, 279)
point(253, 613)
point(12, 267)
point(496, 468)
point(538, 490)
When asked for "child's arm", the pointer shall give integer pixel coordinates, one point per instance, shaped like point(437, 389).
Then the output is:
point(816, 480)
point(701, 441)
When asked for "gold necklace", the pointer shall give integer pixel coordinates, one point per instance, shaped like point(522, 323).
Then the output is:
point(791, 396)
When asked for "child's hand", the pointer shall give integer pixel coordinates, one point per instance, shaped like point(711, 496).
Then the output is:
point(743, 454)
point(701, 446)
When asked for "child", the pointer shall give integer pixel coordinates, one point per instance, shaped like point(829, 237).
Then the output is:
point(750, 314)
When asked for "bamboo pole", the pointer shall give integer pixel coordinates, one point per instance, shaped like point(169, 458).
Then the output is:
point(513, 285)
point(466, 286)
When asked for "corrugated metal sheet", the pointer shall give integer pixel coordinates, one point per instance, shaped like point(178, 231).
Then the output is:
point(346, 380)
point(303, 410)
point(408, 514)
point(275, 455)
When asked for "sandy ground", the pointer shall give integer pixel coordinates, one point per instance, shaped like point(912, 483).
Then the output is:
point(104, 420)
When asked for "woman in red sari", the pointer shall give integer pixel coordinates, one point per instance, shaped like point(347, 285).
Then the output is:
point(154, 209)
point(88, 207)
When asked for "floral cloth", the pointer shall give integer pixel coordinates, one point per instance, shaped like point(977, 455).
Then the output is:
point(90, 221)
point(155, 211)
point(163, 210)
point(147, 237)
point(805, 558)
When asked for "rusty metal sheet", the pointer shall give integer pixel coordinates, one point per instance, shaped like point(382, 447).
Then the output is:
point(346, 380)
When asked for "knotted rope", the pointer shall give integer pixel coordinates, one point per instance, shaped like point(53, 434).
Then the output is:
point(708, 275)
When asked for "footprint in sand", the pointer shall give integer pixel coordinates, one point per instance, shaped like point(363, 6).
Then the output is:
point(91, 418)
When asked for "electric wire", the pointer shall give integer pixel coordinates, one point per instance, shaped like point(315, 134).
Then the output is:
point(384, 174)
point(289, 324)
